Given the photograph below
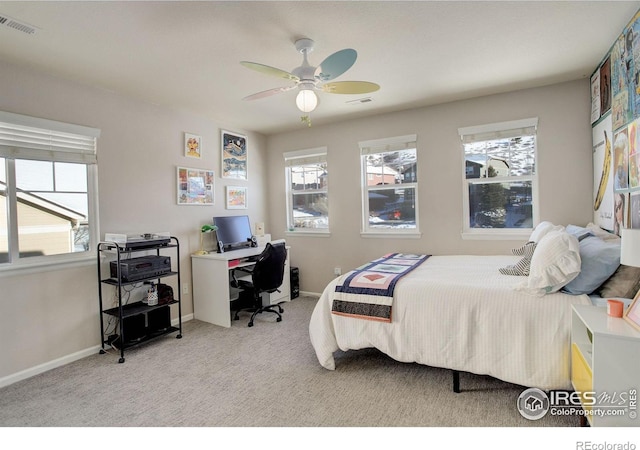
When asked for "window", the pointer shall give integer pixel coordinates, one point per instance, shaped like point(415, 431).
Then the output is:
point(48, 195)
point(389, 185)
point(307, 190)
point(500, 192)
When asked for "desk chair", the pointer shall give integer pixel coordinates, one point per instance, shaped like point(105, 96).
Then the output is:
point(266, 276)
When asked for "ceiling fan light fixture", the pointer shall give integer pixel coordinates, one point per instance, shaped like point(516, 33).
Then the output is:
point(306, 100)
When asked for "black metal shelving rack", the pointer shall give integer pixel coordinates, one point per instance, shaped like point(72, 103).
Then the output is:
point(123, 311)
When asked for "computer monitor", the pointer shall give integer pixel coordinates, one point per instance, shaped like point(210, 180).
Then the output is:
point(234, 232)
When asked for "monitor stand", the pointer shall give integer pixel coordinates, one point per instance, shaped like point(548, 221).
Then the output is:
point(230, 247)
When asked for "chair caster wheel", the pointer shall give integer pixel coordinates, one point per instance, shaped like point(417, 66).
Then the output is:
point(250, 324)
point(281, 310)
point(279, 319)
point(121, 360)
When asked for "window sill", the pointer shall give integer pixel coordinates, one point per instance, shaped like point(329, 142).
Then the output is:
point(47, 265)
point(391, 234)
point(314, 233)
point(504, 235)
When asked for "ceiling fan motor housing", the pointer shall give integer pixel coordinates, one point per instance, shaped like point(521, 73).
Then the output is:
point(306, 73)
point(304, 45)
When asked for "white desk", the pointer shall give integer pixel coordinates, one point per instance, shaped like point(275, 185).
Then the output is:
point(212, 293)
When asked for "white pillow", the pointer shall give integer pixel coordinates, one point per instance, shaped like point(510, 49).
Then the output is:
point(542, 229)
point(555, 262)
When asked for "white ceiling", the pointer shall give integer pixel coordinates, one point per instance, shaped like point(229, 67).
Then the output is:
point(186, 54)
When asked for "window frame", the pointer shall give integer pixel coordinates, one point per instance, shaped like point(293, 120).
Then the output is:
point(378, 146)
point(59, 142)
point(494, 131)
point(304, 157)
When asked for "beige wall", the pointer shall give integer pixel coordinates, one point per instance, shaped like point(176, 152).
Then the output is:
point(564, 167)
point(48, 316)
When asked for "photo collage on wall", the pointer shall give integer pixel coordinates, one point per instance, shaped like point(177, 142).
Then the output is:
point(615, 121)
point(196, 186)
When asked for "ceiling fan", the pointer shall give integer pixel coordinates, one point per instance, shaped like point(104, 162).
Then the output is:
point(308, 79)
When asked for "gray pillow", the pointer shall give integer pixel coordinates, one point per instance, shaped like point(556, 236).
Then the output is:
point(624, 283)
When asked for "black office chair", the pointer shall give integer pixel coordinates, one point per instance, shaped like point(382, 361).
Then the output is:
point(266, 276)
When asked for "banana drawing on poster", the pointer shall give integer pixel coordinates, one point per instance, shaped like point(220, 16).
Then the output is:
point(603, 179)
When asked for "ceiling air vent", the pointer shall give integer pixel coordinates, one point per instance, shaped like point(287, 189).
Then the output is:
point(360, 100)
point(6, 21)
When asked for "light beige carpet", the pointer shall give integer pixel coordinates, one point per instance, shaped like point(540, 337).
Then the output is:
point(266, 375)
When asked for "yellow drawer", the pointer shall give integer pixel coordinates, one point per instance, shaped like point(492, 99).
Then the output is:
point(581, 374)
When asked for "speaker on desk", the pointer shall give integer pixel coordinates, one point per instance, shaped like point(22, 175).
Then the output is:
point(254, 241)
point(294, 279)
point(220, 247)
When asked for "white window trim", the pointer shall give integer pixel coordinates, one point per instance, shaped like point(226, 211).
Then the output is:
point(303, 233)
point(299, 157)
point(496, 131)
point(374, 146)
point(62, 142)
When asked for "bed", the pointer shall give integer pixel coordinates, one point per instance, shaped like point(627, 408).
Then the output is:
point(461, 313)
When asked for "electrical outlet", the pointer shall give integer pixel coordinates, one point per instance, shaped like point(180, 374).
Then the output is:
point(185, 288)
point(337, 271)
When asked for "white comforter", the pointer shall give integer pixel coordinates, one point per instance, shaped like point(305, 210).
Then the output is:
point(459, 312)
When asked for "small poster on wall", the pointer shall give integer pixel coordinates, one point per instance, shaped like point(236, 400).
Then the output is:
point(601, 91)
point(634, 210)
point(192, 144)
point(634, 155)
point(234, 155)
point(195, 186)
point(621, 160)
point(619, 210)
point(633, 39)
point(602, 173)
point(595, 96)
point(236, 197)
point(620, 78)
point(605, 86)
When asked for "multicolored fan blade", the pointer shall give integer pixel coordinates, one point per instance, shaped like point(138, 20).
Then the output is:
point(336, 64)
point(350, 87)
point(270, 70)
point(268, 93)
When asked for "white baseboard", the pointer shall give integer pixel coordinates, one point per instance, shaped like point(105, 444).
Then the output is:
point(41, 368)
point(59, 362)
point(310, 294)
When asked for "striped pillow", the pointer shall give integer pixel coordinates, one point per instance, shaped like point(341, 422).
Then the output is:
point(521, 268)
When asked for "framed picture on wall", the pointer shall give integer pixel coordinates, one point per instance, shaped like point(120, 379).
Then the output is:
point(192, 145)
point(195, 186)
point(234, 155)
point(236, 197)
